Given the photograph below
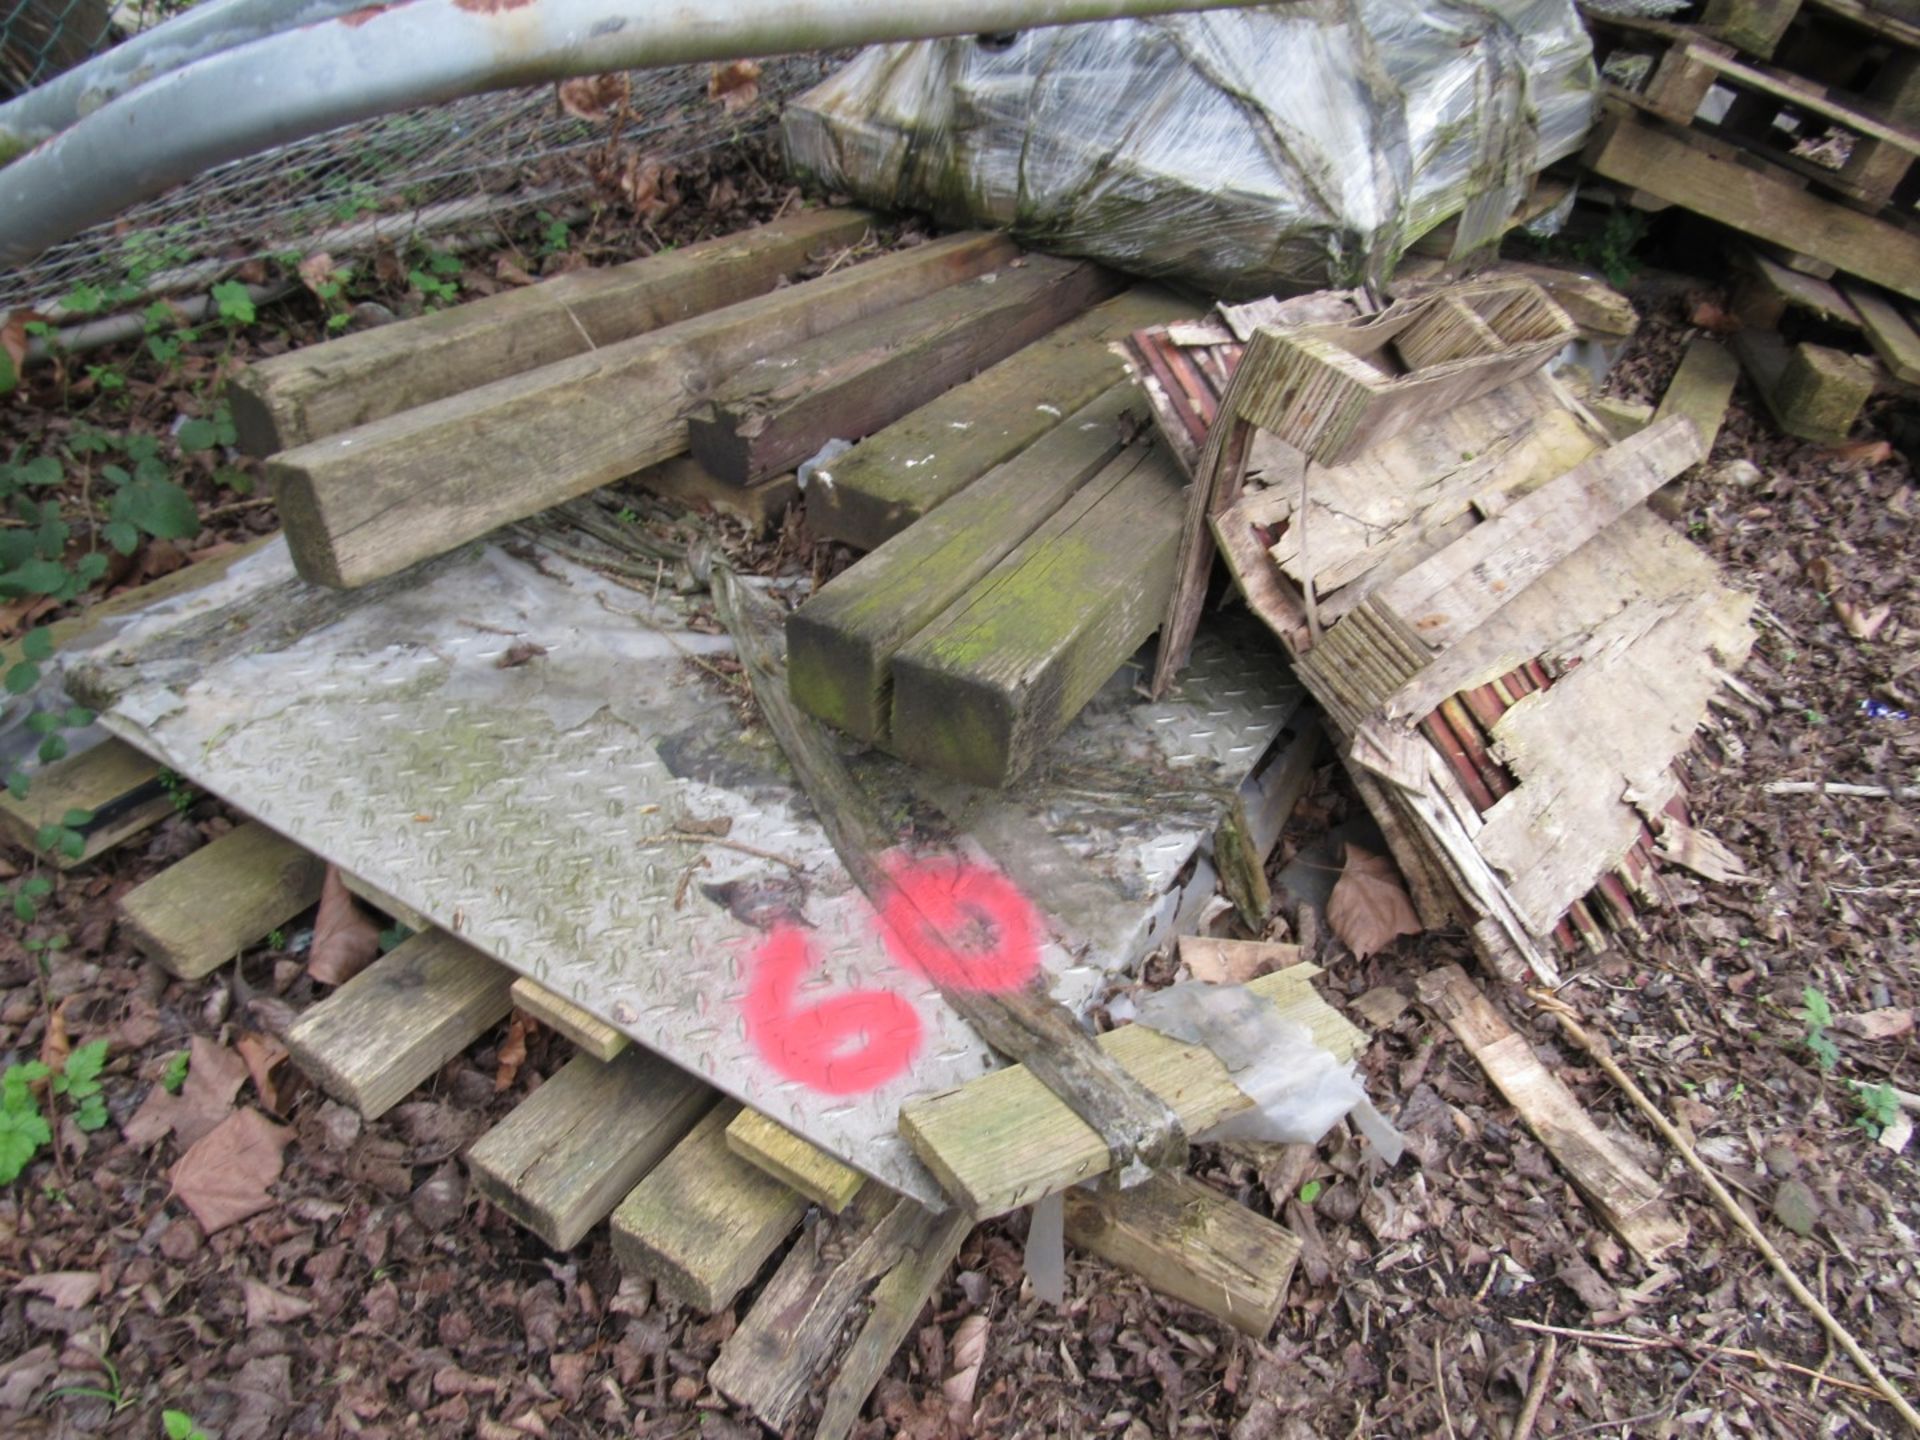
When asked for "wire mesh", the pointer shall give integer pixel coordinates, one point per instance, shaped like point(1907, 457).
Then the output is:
point(40, 38)
point(481, 159)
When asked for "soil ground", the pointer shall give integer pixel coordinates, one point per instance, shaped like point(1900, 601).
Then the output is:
point(375, 1296)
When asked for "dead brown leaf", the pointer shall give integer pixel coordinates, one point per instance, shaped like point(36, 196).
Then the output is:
point(595, 97)
point(262, 1054)
point(512, 1053)
point(268, 1306)
point(67, 1289)
point(512, 273)
point(345, 938)
point(1713, 319)
point(224, 1177)
point(1233, 962)
point(518, 654)
point(736, 85)
point(13, 342)
point(968, 1353)
point(1861, 622)
point(316, 270)
point(1369, 908)
point(1860, 453)
point(56, 1044)
point(214, 1077)
point(1885, 1024)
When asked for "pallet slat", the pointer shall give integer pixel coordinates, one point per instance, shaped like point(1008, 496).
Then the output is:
point(794, 1162)
point(195, 916)
point(589, 1033)
point(115, 782)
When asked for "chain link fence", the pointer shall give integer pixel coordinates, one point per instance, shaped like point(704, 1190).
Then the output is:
point(481, 161)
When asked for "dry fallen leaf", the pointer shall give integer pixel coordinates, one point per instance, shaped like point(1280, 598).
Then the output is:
point(224, 1177)
point(267, 1306)
point(595, 97)
point(1861, 623)
point(1885, 1024)
point(214, 1077)
point(67, 1289)
point(345, 939)
point(511, 273)
point(316, 270)
point(512, 1053)
point(56, 1044)
point(262, 1053)
point(736, 85)
point(518, 654)
point(1369, 907)
point(1860, 452)
point(968, 1352)
point(13, 343)
point(1710, 317)
point(1233, 962)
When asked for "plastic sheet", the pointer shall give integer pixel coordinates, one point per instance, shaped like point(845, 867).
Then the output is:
point(1244, 151)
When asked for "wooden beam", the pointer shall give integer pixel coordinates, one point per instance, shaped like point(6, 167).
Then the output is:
point(1887, 330)
point(1190, 1242)
point(1813, 392)
point(198, 914)
point(841, 644)
point(889, 480)
point(390, 1028)
point(982, 691)
point(401, 912)
point(685, 481)
point(793, 1161)
point(1701, 389)
point(1754, 26)
point(589, 1033)
point(117, 785)
point(570, 1151)
point(1874, 166)
point(321, 390)
point(1804, 96)
point(1004, 1141)
point(371, 501)
point(1628, 1199)
point(703, 1221)
point(1760, 203)
point(779, 410)
point(1767, 288)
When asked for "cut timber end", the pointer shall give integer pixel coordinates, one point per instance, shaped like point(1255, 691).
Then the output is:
point(371, 501)
point(1701, 389)
point(391, 1027)
point(793, 1161)
point(1004, 1141)
point(573, 1148)
point(1628, 1199)
point(890, 480)
point(982, 691)
point(1188, 1241)
point(1814, 393)
point(112, 781)
point(771, 415)
point(307, 394)
point(841, 643)
point(195, 916)
point(703, 1221)
point(589, 1033)
point(1887, 330)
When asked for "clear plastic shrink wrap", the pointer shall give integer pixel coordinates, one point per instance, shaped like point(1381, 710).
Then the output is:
point(1244, 151)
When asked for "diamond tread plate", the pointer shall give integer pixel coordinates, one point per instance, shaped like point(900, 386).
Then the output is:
point(551, 812)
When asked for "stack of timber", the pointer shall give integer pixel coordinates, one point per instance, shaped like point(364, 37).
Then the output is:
point(1794, 122)
point(1512, 650)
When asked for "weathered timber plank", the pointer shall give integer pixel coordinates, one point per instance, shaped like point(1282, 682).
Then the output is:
point(1768, 288)
point(1814, 393)
point(391, 1027)
point(1628, 1199)
point(196, 915)
point(589, 1033)
point(1887, 330)
point(1651, 158)
point(1445, 597)
point(794, 1162)
point(117, 785)
point(323, 389)
point(573, 1148)
point(703, 1221)
point(768, 1365)
point(1620, 418)
point(891, 479)
point(980, 692)
point(1874, 166)
point(841, 643)
point(1190, 1242)
point(1004, 1140)
point(775, 412)
point(1593, 305)
point(1701, 389)
point(402, 912)
point(373, 500)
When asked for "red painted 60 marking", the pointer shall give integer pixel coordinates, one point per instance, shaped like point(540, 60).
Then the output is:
point(963, 926)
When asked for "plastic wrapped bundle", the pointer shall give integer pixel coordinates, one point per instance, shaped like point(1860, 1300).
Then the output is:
point(1245, 151)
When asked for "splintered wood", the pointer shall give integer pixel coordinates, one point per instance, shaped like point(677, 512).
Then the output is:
point(1512, 649)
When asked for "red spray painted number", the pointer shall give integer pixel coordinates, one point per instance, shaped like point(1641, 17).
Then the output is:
point(963, 926)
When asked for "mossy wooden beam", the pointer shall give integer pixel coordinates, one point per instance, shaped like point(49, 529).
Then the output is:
point(589, 1033)
point(320, 390)
point(1888, 331)
point(780, 409)
point(1005, 1140)
point(117, 786)
point(841, 643)
point(703, 1221)
point(570, 1151)
point(390, 1028)
point(981, 692)
point(1192, 1243)
point(1814, 393)
point(794, 1162)
point(1701, 389)
point(198, 914)
point(370, 501)
point(1763, 204)
point(891, 479)
point(1767, 289)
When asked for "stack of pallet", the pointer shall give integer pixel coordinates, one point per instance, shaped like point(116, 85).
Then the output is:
point(1513, 650)
point(1796, 123)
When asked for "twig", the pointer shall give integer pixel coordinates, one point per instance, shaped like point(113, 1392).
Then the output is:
point(687, 837)
point(1440, 1386)
point(1823, 787)
point(1731, 1209)
point(234, 507)
point(1537, 1391)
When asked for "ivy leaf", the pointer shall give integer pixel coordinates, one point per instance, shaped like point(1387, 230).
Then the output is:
point(22, 677)
point(37, 643)
point(90, 567)
point(35, 577)
point(198, 435)
point(42, 722)
point(159, 507)
point(121, 536)
point(18, 784)
point(73, 844)
point(35, 887)
point(78, 717)
point(52, 748)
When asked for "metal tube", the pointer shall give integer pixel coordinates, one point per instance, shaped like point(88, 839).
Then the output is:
point(376, 60)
